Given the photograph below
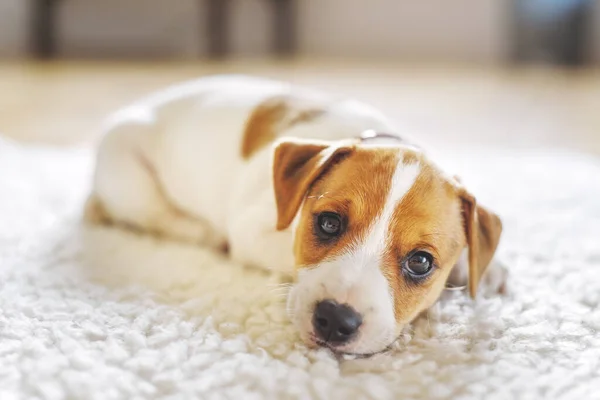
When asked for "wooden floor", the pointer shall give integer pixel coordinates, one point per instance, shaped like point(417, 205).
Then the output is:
point(63, 103)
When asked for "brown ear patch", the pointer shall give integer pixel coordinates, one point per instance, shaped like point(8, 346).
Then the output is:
point(273, 116)
point(296, 165)
point(483, 229)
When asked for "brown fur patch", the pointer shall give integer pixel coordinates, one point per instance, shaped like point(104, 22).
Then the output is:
point(270, 118)
point(356, 189)
point(427, 218)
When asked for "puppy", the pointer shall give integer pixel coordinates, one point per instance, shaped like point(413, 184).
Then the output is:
point(296, 181)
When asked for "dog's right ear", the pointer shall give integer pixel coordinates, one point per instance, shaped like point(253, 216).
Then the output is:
point(483, 229)
point(296, 166)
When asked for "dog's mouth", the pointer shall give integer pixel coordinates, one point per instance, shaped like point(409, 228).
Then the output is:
point(341, 353)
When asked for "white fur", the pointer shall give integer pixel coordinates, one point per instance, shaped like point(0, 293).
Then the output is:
point(355, 278)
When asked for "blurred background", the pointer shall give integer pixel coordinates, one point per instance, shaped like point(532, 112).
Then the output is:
point(518, 73)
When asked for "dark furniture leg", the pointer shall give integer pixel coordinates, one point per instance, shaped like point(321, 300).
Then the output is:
point(284, 26)
point(550, 31)
point(43, 29)
point(217, 27)
point(574, 47)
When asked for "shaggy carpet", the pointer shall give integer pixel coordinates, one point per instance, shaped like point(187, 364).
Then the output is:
point(99, 313)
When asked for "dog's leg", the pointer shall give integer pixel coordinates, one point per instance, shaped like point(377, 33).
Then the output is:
point(127, 190)
point(255, 241)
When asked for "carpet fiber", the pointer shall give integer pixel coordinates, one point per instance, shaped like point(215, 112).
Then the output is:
point(99, 313)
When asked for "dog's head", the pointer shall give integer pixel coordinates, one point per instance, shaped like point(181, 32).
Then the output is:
point(377, 230)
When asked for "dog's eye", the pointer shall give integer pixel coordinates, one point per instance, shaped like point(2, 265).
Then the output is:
point(329, 225)
point(419, 264)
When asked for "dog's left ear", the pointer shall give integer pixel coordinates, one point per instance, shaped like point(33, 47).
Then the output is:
point(296, 165)
point(483, 229)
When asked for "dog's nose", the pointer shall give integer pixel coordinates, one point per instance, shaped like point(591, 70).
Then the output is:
point(335, 323)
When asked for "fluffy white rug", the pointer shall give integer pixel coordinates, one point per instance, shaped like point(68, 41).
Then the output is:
point(103, 314)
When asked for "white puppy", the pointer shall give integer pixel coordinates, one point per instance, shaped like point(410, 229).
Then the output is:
point(299, 182)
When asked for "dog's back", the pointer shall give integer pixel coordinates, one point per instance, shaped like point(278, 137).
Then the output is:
point(171, 162)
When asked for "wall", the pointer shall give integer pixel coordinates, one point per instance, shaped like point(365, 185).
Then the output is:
point(128, 28)
point(471, 30)
point(13, 27)
point(457, 30)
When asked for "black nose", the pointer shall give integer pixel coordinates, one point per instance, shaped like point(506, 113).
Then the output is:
point(335, 323)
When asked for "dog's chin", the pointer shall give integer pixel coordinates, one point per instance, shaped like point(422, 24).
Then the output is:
point(346, 351)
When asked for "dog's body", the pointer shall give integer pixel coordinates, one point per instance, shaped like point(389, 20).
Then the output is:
point(231, 160)
point(182, 162)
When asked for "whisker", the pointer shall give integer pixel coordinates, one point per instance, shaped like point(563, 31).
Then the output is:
point(284, 294)
point(280, 285)
point(279, 289)
point(318, 197)
point(430, 331)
